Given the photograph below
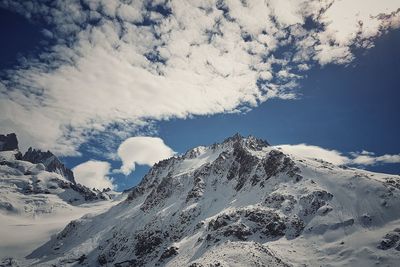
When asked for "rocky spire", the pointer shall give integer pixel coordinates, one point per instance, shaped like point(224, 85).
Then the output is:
point(50, 161)
point(250, 141)
point(8, 142)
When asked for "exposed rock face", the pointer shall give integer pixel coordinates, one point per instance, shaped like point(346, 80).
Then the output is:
point(391, 240)
point(50, 161)
point(230, 204)
point(8, 142)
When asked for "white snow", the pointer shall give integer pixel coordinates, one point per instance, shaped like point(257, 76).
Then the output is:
point(356, 209)
point(28, 220)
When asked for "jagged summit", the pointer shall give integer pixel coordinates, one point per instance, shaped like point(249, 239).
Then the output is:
point(250, 142)
point(251, 139)
point(37, 200)
point(240, 202)
point(246, 151)
point(50, 161)
point(56, 178)
point(8, 142)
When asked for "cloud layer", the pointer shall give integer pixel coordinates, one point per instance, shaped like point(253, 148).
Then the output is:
point(142, 150)
point(316, 152)
point(94, 174)
point(116, 65)
point(339, 158)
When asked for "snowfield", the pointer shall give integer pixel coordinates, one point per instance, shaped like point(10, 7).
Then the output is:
point(238, 203)
point(36, 204)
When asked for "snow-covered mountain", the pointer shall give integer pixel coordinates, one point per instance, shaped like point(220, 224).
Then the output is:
point(50, 161)
point(36, 203)
point(240, 203)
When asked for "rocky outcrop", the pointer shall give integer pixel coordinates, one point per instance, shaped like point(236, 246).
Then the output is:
point(229, 203)
point(50, 161)
point(8, 142)
point(391, 240)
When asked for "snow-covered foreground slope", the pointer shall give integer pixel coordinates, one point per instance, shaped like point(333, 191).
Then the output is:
point(35, 204)
point(240, 203)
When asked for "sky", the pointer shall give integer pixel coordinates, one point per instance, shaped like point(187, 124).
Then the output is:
point(112, 86)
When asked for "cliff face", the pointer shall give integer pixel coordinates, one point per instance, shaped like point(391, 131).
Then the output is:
point(50, 161)
point(8, 142)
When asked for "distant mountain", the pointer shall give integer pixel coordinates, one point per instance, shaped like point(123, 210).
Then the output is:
point(8, 142)
point(50, 161)
point(38, 198)
point(241, 202)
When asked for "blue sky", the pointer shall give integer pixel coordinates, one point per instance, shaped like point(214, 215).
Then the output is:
point(342, 95)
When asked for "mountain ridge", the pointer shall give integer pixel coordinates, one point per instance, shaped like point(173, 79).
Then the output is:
point(240, 203)
point(50, 161)
point(37, 201)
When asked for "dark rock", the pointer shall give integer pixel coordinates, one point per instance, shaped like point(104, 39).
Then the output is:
point(8, 142)
point(221, 221)
point(240, 231)
point(389, 240)
point(169, 252)
point(243, 223)
point(50, 161)
point(71, 227)
point(276, 200)
point(147, 242)
point(198, 188)
point(7, 206)
point(269, 222)
point(127, 263)
point(294, 227)
point(393, 182)
point(87, 194)
point(161, 192)
point(242, 166)
point(366, 220)
point(82, 258)
point(345, 223)
point(250, 142)
point(9, 262)
point(102, 259)
point(313, 201)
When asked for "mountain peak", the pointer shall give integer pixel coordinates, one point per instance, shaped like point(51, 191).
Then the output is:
point(8, 142)
point(236, 141)
point(240, 202)
point(250, 141)
point(50, 161)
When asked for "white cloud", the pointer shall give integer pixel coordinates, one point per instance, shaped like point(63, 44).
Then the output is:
point(338, 158)
point(142, 150)
point(315, 152)
point(369, 158)
point(127, 63)
point(94, 174)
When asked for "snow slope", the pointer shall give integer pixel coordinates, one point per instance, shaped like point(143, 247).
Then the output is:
point(240, 203)
point(35, 204)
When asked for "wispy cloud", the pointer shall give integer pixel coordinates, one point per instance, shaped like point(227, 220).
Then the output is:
point(363, 158)
point(369, 158)
point(316, 152)
point(130, 62)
